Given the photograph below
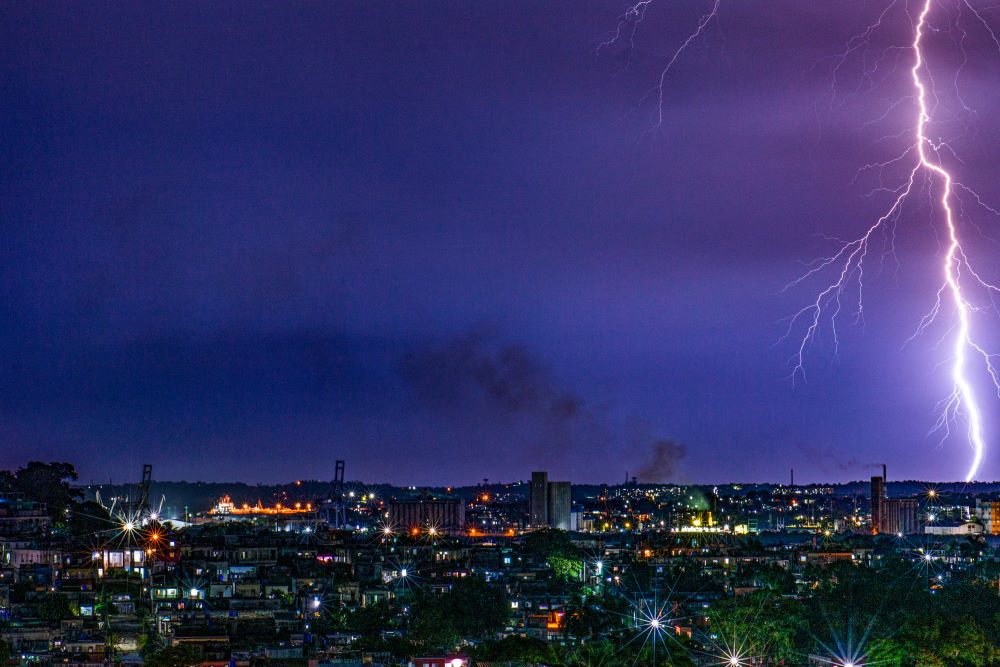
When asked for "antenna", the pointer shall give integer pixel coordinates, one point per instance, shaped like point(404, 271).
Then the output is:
point(334, 501)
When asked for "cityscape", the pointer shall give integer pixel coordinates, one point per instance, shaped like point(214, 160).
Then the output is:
point(533, 572)
point(456, 333)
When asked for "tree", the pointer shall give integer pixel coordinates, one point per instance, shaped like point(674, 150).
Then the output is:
point(371, 620)
point(111, 642)
point(594, 654)
point(513, 649)
point(769, 576)
point(550, 542)
point(567, 569)
point(764, 625)
point(150, 644)
point(54, 607)
point(5, 652)
point(432, 627)
point(471, 609)
point(174, 656)
point(88, 518)
point(48, 483)
point(591, 616)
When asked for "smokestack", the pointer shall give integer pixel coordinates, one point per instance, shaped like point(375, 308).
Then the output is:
point(791, 477)
point(883, 473)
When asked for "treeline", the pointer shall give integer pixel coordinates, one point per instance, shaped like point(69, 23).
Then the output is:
point(53, 484)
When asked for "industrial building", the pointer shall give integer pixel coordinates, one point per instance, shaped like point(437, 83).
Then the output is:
point(443, 515)
point(551, 503)
point(894, 516)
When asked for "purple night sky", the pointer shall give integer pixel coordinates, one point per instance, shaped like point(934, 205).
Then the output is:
point(241, 240)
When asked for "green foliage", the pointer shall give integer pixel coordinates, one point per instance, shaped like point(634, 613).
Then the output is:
point(567, 569)
point(330, 620)
point(533, 651)
point(88, 518)
point(399, 648)
point(471, 609)
point(174, 656)
point(956, 626)
point(769, 577)
point(5, 652)
point(544, 544)
point(508, 649)
point(890, 613)
point(596, 654)
point(762, 624)
point(686, 578)
point(111, 642)
point(591, 616)
point(668, 652)
point(371, 620)
point(565, 560)
point(48, 483)
point(150, 643)
point(105, 607)
point(434, 627)
point(54, 607)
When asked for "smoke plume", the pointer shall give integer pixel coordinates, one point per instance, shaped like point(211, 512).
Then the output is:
point(505, 392)
point(665, 456)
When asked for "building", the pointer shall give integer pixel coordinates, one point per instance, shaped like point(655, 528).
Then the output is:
point(878, 503)
point(551, 503)
point(538, 503)
point(955, 528)
point(445, 515)
point(988, 512)
point(560, 505)
point(899, 516)
point(895, 516)
point(441, 661)
point(19, 516)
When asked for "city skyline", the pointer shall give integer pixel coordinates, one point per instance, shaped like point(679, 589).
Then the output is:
point(448, 242)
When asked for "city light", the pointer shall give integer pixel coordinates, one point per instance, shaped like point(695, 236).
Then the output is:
point(170, 333)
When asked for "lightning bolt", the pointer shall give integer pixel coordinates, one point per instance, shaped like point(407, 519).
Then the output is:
point(925, 170)
point(628, 25)
point(958, 274)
